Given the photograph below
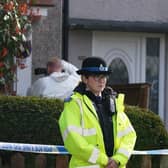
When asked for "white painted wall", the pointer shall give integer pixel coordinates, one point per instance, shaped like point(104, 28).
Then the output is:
point(24, 78)
point(80, 46)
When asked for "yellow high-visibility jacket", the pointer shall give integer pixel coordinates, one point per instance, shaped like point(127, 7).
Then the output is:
point(83, 138)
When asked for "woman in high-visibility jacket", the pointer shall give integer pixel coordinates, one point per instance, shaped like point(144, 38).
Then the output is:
point(95, 129)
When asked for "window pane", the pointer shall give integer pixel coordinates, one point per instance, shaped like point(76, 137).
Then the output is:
point(152, 70)
point(119, 73)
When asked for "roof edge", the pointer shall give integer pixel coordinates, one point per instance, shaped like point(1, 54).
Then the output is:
point(126, 26)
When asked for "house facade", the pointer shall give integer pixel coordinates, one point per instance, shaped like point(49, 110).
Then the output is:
point(130, 35)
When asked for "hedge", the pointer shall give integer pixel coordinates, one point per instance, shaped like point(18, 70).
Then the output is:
point(151, 132)
point(34, 120)
point(30, 120)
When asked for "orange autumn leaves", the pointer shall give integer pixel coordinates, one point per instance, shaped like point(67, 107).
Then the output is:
point(4, 52)
point(9, 6)
point(14, 25)
point(22, 9)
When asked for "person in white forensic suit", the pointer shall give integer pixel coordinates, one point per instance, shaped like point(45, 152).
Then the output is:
point(60, 81)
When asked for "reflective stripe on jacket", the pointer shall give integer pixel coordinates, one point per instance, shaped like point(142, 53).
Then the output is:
point(83, 138)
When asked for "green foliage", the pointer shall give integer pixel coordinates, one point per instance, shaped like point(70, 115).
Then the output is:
point(30, 120)
point(151, 133)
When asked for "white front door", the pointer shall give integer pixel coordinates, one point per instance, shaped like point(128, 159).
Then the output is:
point(124, 46)
point(131, 52)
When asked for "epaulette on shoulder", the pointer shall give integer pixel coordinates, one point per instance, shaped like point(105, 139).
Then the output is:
point(67, 99)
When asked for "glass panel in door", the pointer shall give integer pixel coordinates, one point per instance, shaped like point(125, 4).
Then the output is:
point(152, 71)
point(119, 73)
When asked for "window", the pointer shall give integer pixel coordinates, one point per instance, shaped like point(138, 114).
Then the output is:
point(119, 73)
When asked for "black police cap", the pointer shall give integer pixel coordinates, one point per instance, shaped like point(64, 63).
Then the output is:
point(94, 65)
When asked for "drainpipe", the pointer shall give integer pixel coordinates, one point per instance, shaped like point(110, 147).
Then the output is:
point(65, 29)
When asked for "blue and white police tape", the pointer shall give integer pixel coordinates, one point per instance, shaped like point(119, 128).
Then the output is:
point(33, 148)
point(58, 149)
point(151, 152)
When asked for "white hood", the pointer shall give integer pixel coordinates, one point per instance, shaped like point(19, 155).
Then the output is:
point(59, 76)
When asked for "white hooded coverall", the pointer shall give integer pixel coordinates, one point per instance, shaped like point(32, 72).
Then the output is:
point(58, 84)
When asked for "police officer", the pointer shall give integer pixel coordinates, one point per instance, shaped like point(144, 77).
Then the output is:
point(95, 129)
